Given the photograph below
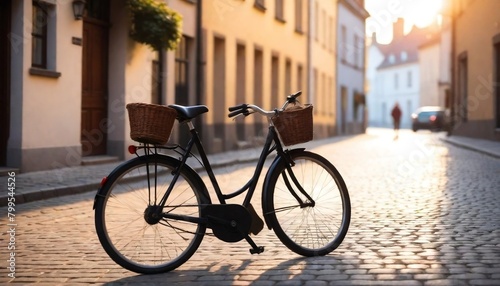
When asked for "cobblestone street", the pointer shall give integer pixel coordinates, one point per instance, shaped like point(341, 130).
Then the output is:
point(423, 213)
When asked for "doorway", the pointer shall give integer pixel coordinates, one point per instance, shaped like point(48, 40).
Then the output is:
point(343, 110)
point(5, 19)
point(95, 78)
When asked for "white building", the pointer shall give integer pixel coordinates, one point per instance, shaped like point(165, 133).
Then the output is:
point(351, 66)
point(397, 79)
point(374, 58)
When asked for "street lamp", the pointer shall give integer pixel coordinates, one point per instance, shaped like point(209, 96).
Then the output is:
point(78, 9)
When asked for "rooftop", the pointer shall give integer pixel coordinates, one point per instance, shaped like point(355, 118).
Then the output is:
point(404, 48)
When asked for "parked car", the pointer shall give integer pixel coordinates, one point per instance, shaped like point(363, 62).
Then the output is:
point(433, 118)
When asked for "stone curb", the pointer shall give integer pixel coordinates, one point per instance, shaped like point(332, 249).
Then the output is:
point(471, 148)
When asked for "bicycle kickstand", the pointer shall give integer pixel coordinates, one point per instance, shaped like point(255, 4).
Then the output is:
point(255, 249)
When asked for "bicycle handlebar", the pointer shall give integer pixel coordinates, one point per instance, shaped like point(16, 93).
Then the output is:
point(243, 108)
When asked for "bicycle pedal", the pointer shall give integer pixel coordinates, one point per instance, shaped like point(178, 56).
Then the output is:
point(257, 250)
point(257, 223)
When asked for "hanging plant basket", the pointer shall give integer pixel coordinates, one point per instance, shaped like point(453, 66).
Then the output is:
point(154, 24)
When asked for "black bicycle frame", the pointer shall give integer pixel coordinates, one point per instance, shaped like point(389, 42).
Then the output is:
point(250, 185)
point(272, 137)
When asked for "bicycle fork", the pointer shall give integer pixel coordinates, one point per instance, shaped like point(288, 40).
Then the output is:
point(310, 202)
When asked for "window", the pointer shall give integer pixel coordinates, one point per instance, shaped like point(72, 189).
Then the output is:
point(288, 77)
point(323, 103)
point(462, 87)
point(258, 87)
point(275, 95)
point(39, 35)
point(298, 16)
point(361, 49)
point(156, 80)
point(409, 78)
point(392, 59)
point(355, 105)
point(315, 88)
point(182, 71)
point(43, 40)
point(260, 5)
point(279, 13)
point(331, 97)
point(299, 77)
point(219, 87)
point(240, 87)
point(343, 44)
point(316, 21)
point(324, 27)
point(404, 56)
point(356, 51)
point(396, 81)
point(330, 35)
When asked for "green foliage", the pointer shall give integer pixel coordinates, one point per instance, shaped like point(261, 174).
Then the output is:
point(155, 24)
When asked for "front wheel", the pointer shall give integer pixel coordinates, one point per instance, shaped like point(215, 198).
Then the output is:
point(319, 226)
point(126, 221)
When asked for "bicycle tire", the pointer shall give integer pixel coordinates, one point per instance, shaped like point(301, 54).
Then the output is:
point(314, 230)
point(120, 218)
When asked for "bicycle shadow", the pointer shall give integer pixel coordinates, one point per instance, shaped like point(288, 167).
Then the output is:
point(298, 271)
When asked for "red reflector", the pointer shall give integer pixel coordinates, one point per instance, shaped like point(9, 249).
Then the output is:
point(433, 118)
point(103, 181)
point(132, 149)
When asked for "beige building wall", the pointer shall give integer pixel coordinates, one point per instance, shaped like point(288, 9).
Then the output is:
point(429, 59)
point(323, 66)
point(46, 105)
point(251, 54)
point(133, 83)
point(477, 27)
point(260, 36)
point(44, 131)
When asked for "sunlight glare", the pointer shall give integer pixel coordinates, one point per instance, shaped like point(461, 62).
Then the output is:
point(422, 13)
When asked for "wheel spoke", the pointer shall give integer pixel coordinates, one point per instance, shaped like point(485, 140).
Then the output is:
point(126, 223)
point(319, 228)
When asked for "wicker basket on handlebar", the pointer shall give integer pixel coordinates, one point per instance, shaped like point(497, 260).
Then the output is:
point(150, 123)
point(295, 124)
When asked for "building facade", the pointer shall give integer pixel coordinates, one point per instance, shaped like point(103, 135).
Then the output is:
point(66, 82)
point(397, 79)
point(255, 52)
point(428, 56)
point(476, 69)
point(351, 67)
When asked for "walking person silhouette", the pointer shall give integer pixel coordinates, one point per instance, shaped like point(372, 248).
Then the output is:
point(396, 117)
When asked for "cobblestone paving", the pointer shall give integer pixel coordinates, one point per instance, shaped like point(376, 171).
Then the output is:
point(423, 213)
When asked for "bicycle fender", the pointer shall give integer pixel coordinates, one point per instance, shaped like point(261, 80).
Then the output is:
point(175, 162)
point(274, 165)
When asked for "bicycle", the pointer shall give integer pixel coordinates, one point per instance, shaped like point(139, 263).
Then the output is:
point(152, 212)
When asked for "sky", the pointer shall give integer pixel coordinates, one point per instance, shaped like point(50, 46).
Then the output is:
point(415, 12)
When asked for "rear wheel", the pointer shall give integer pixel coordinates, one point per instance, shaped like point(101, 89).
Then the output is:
point(320, 227)
point(126, 224)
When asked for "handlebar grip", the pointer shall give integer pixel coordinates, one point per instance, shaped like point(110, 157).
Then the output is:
point(234, 113)
point(292, 97)
point(241, 106)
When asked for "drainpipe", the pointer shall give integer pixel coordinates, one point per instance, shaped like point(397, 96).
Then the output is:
point(199, 53)
point(162, 81)
point(453, 87)
point(309, 52)
point(199, 61)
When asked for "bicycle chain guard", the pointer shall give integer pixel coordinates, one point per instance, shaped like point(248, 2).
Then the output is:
point(229, 223)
